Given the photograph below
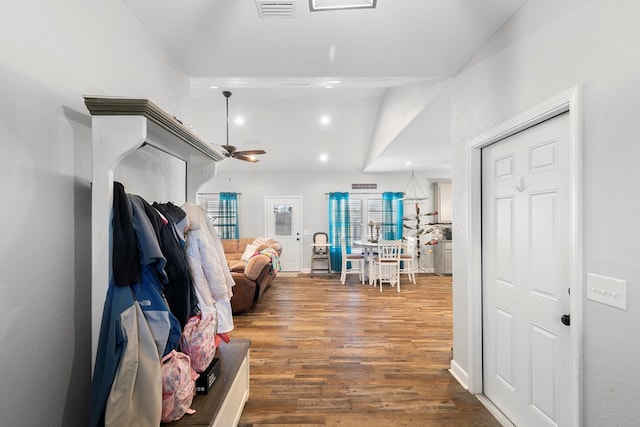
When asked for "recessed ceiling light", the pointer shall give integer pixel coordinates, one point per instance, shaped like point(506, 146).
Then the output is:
point(333, 82)
point(239, 120)
point(317, 5)
point(213, 87)
point(325, 119)
point(324, 158)
point(408, 162)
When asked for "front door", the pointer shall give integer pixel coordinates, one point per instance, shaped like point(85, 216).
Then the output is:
point(283, 222)
point(526, 244)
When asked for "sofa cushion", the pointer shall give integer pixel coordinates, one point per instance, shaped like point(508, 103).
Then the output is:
point(255, 265)
point(249, 251)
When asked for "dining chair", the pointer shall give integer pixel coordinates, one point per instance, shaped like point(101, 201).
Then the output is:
point(388, 260)
point(407, 259)
point(356, 260)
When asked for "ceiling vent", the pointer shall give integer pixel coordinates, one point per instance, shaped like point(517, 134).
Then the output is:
point(276, 9)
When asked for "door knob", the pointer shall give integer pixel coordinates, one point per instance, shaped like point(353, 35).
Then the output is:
point(566, 319)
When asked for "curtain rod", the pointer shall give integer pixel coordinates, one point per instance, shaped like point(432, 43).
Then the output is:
point(378, 194)
point(406, 199)
point(239, 194)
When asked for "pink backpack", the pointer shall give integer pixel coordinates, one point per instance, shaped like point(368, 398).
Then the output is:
point(199, 341)
point(178, 386)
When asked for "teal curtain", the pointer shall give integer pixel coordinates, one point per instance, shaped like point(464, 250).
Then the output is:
point(339, 224)
point(228, 216)
point(392, 212)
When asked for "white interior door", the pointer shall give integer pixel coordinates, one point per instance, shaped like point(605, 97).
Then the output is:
point(527, 357)
point(283, 222)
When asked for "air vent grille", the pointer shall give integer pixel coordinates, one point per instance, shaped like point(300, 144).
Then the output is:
point(276, 9)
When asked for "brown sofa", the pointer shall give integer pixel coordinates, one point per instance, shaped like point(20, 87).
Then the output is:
point(252, 276)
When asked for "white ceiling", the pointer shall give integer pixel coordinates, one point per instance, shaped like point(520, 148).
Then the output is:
point(277, 69)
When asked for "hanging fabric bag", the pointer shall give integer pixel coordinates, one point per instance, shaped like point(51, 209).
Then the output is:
point(178, 386)
point(199, 340)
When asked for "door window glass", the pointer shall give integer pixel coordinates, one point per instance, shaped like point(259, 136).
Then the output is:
point(282, 215)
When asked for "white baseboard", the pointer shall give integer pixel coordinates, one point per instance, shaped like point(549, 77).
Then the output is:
point(459, 374)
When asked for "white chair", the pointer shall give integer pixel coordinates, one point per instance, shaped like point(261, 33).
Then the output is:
point(407, 260)
point(388, 259)
point(356, 260)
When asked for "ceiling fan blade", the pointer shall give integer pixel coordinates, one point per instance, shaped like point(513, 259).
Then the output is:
point(246, 158)
point(229, 148)
point(250, 152)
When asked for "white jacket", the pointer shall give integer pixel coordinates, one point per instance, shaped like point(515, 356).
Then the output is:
point(211, 276)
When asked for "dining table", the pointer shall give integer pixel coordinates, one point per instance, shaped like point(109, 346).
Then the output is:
point(369, 251)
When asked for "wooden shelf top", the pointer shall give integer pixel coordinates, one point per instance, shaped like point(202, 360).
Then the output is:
point(113, 106)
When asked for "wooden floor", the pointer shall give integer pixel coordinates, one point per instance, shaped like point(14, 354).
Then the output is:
point(327, 354)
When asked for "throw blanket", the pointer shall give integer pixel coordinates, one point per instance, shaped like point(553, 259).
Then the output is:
point(275, 259)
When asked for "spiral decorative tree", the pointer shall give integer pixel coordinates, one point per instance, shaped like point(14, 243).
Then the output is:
point(412, 222)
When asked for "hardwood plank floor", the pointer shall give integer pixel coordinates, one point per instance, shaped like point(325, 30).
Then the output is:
point(327, 354)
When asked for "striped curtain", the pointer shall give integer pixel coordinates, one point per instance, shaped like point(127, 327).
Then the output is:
point(339, 224)
point(227, 221)
point(392, 212)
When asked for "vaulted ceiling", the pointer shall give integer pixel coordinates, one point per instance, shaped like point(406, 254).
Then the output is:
point(388, 68)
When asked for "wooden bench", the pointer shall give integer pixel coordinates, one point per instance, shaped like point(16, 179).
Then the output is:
point(223, 405)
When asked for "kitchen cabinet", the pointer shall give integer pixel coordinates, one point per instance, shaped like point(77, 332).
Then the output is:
point(442, 200)
point(442, 257)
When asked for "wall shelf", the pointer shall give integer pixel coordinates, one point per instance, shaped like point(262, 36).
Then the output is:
point(101, 106)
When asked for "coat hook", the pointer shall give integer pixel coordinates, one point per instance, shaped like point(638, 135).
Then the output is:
point(520, 185)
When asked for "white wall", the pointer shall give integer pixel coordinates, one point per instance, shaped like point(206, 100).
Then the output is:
point(545, 49)
point(398, 108)
point(254, 186)
point(52, 53)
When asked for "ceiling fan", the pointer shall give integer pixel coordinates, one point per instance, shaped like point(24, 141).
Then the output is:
point(246, 155)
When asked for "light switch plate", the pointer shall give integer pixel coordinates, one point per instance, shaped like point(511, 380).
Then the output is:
point(607, 290)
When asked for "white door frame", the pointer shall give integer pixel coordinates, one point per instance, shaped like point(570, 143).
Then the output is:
point(567, 101)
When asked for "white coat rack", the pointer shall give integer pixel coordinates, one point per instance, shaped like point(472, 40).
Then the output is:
point(119, 126)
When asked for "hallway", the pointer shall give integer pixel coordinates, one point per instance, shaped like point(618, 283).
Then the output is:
point(326, 354)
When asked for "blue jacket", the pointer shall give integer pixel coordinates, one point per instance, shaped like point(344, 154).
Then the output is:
point(144, 285)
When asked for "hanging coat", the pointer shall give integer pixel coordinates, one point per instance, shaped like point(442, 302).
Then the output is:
point(179, 288)
point(135, 398)
point(211, 276)
point(118, 338)
point(163, 324)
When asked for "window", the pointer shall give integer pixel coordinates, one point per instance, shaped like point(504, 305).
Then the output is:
point(222, 210)
point(363, 211)
point(283, 216)
point(355, 224)
point(360, 218)
point(385, 214)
